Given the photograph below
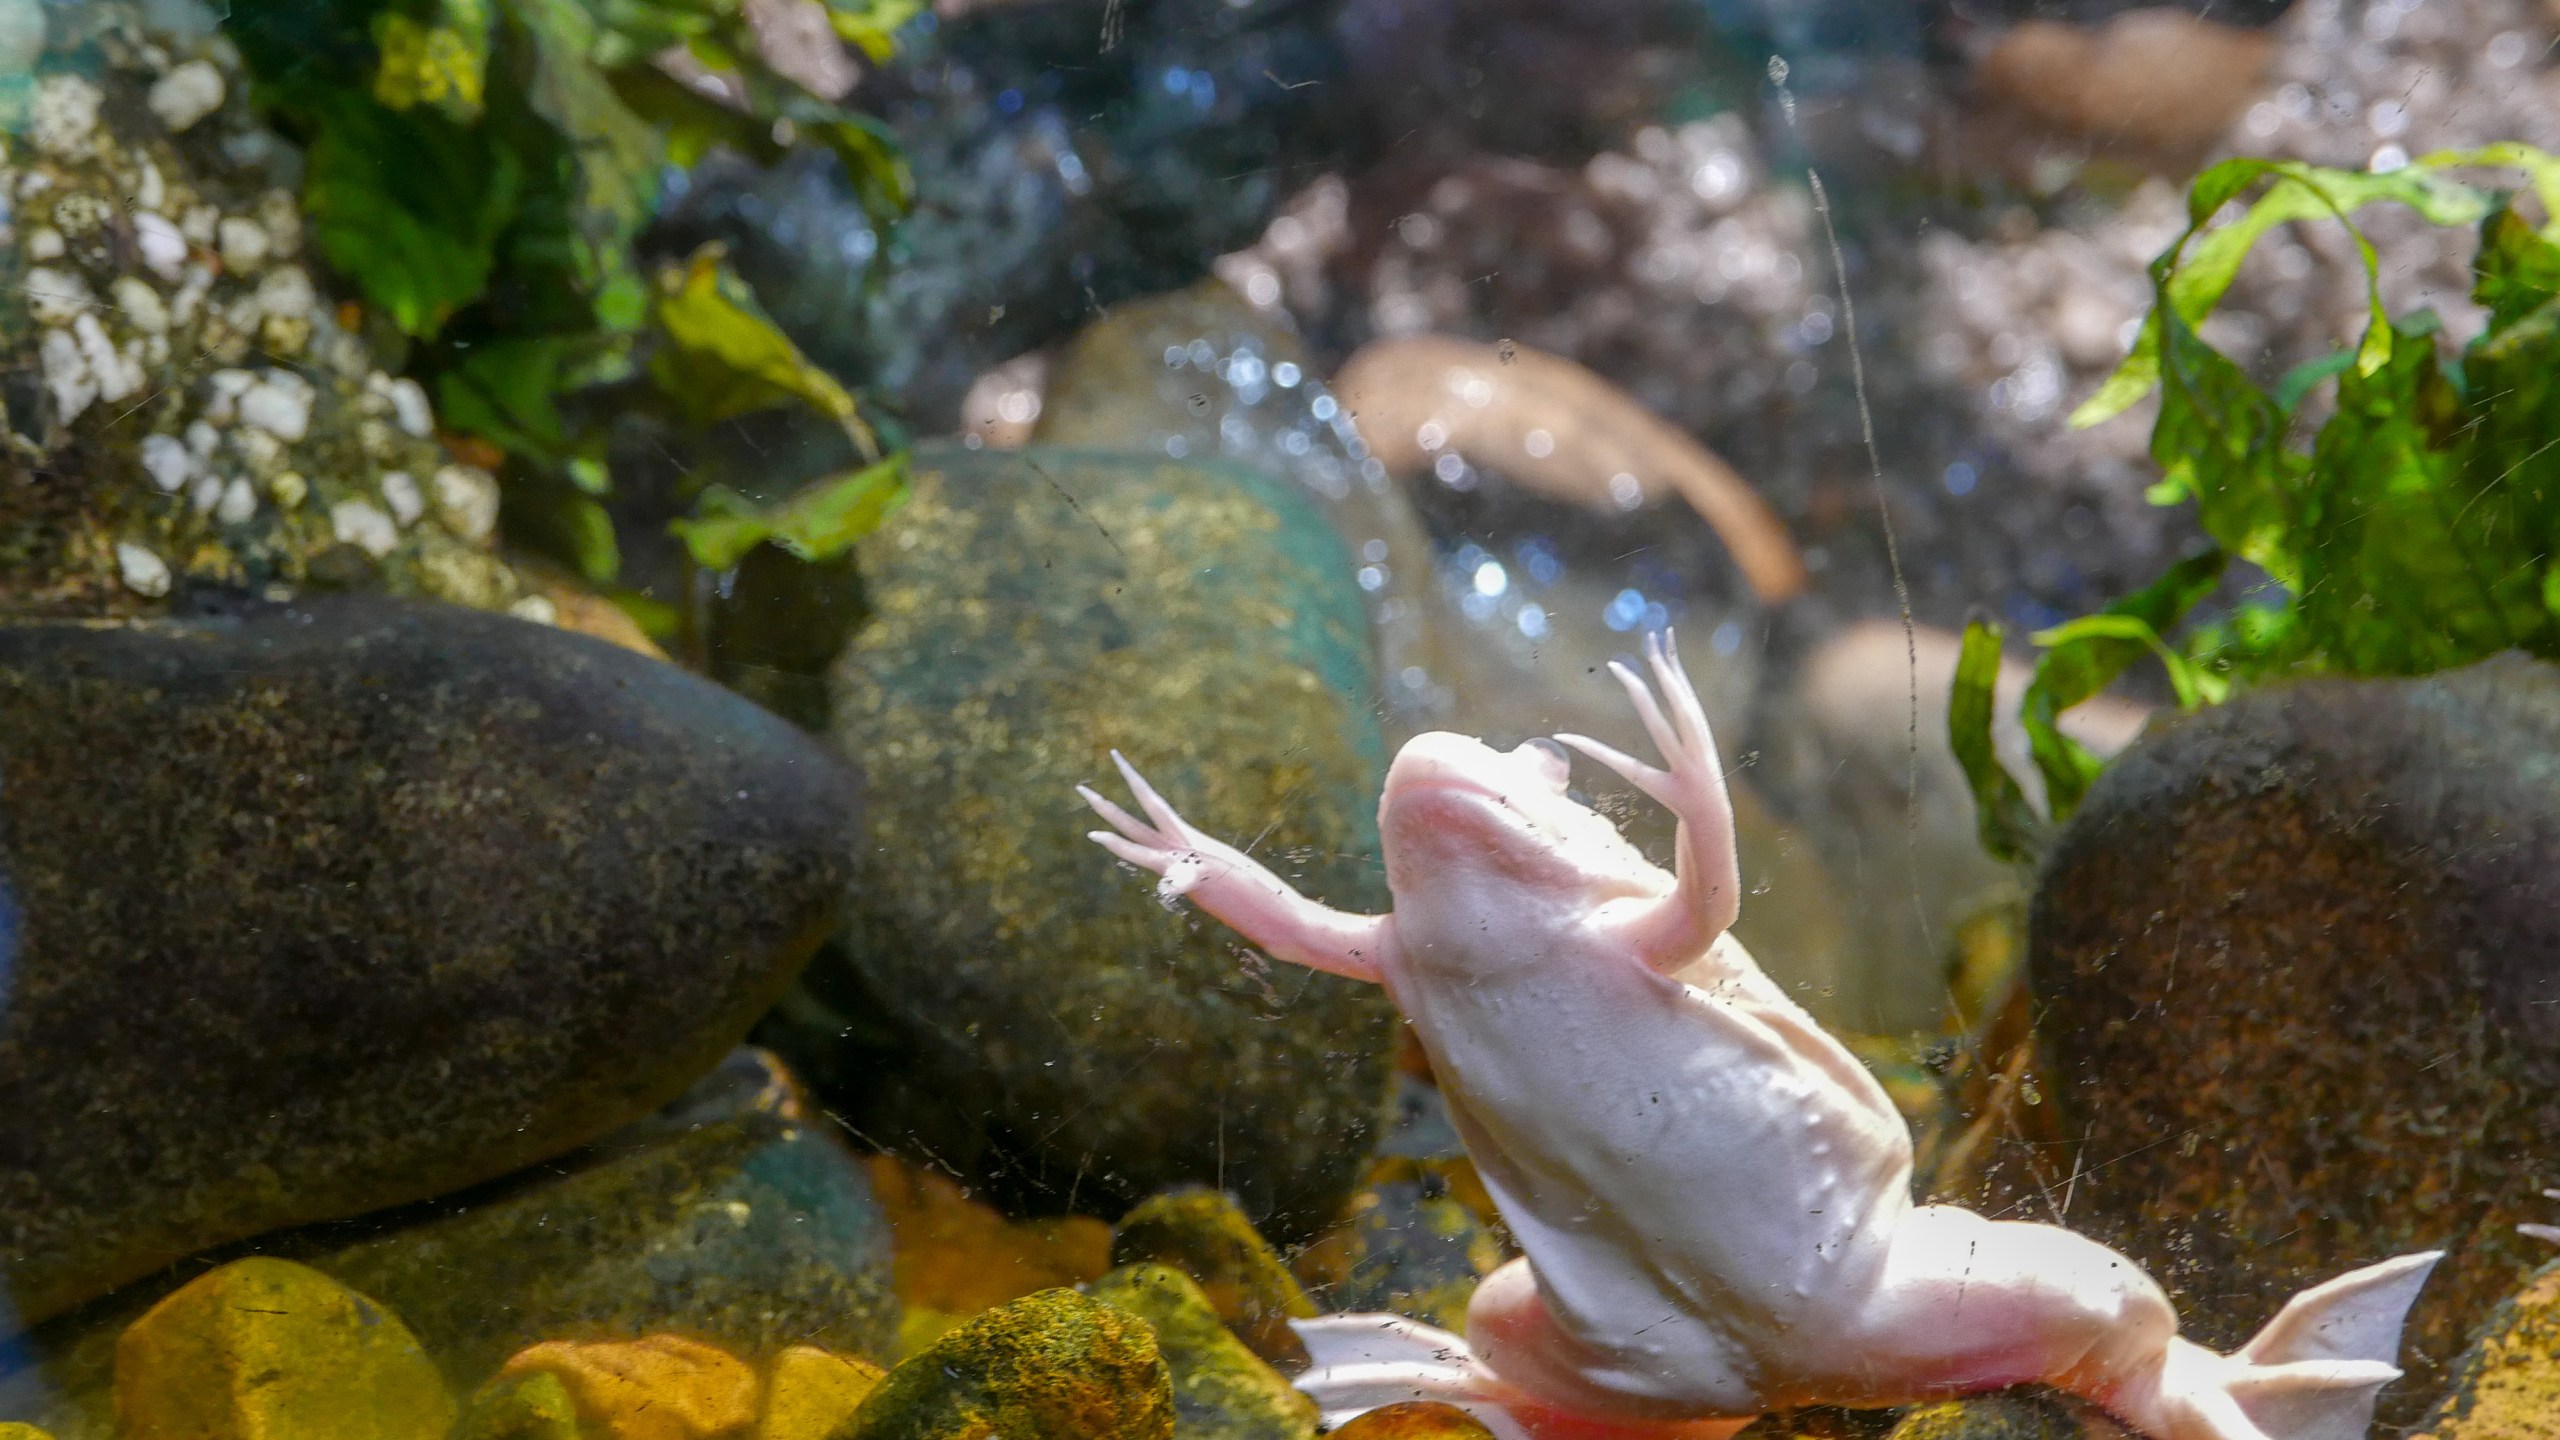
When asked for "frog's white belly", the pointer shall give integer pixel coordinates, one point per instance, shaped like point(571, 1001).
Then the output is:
point(1649, 1142)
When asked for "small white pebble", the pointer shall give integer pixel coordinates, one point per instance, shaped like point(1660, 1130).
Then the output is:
point(118, 374)
point(44, 243)
point(409, 407)
point(150, 192)
point(187, 94)
point(227, 386)
point(206, 494)
point(144, 573)
point(141, 304)
point(167, 460)
point(283, 221)
point(259, 447)
point(280, 404)
point(363, 525)
point(242, 242)
point(65, 116)
point(164, 250)
point(239, 503)
point(201, 224)
point(201, 439)
point(400, 492)
point(290, 489)
point(287, 291)
point(536, 608)
point(55, 297)
point(66, 374)
point(468, 500)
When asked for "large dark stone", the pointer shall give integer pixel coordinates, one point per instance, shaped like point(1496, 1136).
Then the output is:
point(2298, 959)
point(347, 905)
point(1007, 1000)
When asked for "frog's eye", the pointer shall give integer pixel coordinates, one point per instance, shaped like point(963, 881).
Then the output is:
point(1551, 761)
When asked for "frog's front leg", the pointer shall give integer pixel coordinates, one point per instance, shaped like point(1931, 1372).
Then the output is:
point(1229, 884)
point(1678, 928)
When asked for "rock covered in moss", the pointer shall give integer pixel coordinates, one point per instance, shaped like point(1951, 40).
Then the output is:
point(2507, 1385)
point(268, 1350)
point(1005, 998)
point(2292, 963)
point(1221, 1389)
point(814, 1393)
point(354, 903)
point(2031, 1413)
point(1054, 1363)
point(534, 1405)
point(658, 1387)
point(193, 409)
point(19, 1430)
point(1413, 1420)
point(1204, 1234)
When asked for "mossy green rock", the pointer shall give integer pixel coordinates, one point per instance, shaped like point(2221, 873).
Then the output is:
point(351, 904)
point(728, 1216)
point(1221, 1389)
point(2293, 962)
point(268, 1350)
point(1204, 1234)
point(2507, 1385)
point(520, 1407)
point(1054, 1363)
point(2023, 1414)
point(1006, 998)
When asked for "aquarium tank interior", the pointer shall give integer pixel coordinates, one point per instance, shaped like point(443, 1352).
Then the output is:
point(1249, 719)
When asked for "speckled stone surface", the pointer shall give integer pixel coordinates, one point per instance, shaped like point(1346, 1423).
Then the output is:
point(1051, 1363)
point(2507, 1385)
point(2027, 1413)
point(1006, 999)
point(2297, 969)
point(352, 904)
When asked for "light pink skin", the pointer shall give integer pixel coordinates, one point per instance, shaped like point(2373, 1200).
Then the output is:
point(1713, 1196)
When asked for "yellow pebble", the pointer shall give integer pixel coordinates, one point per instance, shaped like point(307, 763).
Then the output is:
point(660, 1387)
point(264, 1349)
point(13, 1430)
point(811, 1394)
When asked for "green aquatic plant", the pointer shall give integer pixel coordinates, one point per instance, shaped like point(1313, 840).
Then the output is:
point(2415, 528)
point(480, 172)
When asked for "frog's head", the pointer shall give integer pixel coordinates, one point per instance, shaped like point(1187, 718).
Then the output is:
point(1456, 807)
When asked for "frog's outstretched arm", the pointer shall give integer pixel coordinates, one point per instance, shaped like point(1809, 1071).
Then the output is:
point(1678, 928)
point(1231, 885)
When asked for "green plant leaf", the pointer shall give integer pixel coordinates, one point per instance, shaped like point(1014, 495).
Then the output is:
point(613, 155)
point(819, 522)
point(418, 237)
point(872, 25)
point(2008, 826)
point(443, 62)
point(502, 391)
point(725, 357)
point(2516, 271)
point(2084, 656)
point(2191, 284)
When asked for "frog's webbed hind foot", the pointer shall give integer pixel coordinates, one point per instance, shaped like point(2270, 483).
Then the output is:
point(1365, 1361)
point(2543, 1232)
point(2311, 1374)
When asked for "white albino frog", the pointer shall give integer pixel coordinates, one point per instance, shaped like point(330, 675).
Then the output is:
point(1713, 1197)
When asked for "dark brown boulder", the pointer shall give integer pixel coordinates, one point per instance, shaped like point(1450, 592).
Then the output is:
point(2298, 964)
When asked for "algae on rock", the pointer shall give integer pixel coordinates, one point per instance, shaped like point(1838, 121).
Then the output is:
point(1006, 999)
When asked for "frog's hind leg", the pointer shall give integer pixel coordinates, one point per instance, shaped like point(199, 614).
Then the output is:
point(1362, 1362)
point(1513, 1333)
